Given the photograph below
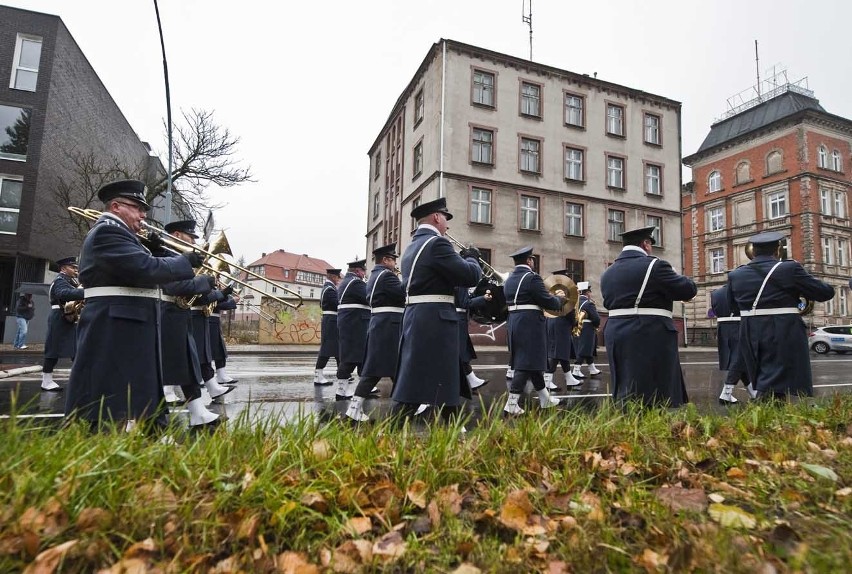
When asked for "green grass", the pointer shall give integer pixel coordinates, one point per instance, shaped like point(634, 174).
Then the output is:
point(550, 491)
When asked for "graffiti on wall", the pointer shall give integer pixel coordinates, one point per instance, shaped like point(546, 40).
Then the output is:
point(291, 326)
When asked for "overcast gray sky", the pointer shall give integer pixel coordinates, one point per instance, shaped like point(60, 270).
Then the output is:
point(307, 85)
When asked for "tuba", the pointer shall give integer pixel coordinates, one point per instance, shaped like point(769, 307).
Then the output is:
point(806, 306)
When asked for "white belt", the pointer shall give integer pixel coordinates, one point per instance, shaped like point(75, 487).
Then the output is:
point(524, 308)
point(198, 308)
point(353, 306)
point(640, 311)
point(329, 312)
point(776, 311)
point(587, 320)
point(461, 310)
point(415, 299)
point(727, 319)
point(215, 315)
point(91, 292)
point(168, 298)
point(388, 310)
point(56, 306)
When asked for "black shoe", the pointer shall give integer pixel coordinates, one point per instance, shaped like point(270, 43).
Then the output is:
point(231, 382)
point(325, 384)
point(479, 386)
point(728, 403)
point(342, 397)
point(217, 398)
point(56, 390)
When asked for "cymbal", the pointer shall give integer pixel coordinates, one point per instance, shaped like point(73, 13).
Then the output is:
point(572, 295)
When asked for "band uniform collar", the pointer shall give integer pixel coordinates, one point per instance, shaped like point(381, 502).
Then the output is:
point(522, 266)
point(115, 217)
point(634, 248)
point(428, 227)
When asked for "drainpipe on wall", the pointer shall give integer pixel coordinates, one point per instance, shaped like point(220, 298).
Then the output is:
point(443, 94)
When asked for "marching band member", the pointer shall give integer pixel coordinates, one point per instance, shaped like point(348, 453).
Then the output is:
point(464, 304)
point(200, 329)
point(329, 346)
point(560, 345)
point(117, 374)
point(353, 320)
point(61, 339)
point(527, 296)
point(728, 343)
point(773, 337)
point(587, 342)
point(387, 300)
point(217, 340)
point(641, 339)
point(180, 357)
point(428, 367)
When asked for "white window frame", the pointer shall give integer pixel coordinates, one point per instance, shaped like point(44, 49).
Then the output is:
point(530, 209)
point(839, 204)
point(652, 128)
point(716, 219)
point(829, 307)
point(574, 168)
point(615, 120)
point(714, 181)
point(530, 99)
point(419, 106)
point(653, 183)
point(480, 205)
point(717, 260)
point(842, 252)
point(16, 60)
point(376, 204)
point(615, 224)
point(822, 157)
point(530, 155)
point(827, 253)
point(482, 90)
point(825, 202)
point(776, 203)
point(844, 307)
point(615, 171)
point(836, 161)
point(575, 110)
point(12, 209)
point(481, 147)
point(418, 158)
point(656, 221)
point(574, 219)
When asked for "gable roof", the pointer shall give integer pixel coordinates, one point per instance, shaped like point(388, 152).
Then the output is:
point(274, 264)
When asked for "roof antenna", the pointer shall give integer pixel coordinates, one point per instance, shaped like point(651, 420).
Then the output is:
point(526, 18)
point(757, 68)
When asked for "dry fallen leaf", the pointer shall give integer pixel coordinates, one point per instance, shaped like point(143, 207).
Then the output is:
point(650, 560)
point(248, 527)
point(735, 473)
point(350, 557)
point(295, 563)
point(389, 547)
point(843, 492)
point(156, 496)
point(358, 525)
point(48, 561)
point(417, 493)
point(466, 568)
point(128, 566)
point(91, 519)
point(732, 516)
point(321, 449)
point(678, 498)
point(449, 499)
point(516, 510)
point(315, 501)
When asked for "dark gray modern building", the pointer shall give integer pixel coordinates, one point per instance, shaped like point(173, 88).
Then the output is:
point(55, 114)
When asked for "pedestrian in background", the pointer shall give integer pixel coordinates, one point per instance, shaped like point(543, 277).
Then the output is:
point(24, 311)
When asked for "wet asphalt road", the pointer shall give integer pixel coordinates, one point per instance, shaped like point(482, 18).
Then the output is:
point(280, 387)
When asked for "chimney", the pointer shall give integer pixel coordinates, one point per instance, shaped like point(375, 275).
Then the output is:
point(263, 254)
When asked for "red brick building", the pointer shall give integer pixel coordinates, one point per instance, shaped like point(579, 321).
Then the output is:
point(781, 163)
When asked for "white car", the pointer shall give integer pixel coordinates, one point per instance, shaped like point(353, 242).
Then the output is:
point(835, 338)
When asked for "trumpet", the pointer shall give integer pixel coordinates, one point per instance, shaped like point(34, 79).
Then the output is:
point(178, 247)
point(487, 270)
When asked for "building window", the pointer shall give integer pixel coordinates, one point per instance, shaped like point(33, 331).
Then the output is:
point(574, 164)
point(777, 204)
point(530, 150)
point(614, 120)
point(10, 204)
point(482, 146)
point(717, 260)
point(827, 257)
point(652, 129)
point(418, 107)
point(26, 59)
point(529, 213)
point(839, 204)
point(375, 205)
point(774, 162)
point(483, 88)
point(418, 159)
point(377, 168)
point(716, 215)
point(842, 252)
point(824, 201)
point(480, 205)
point(822, 157)
point(656, 221)
point(530, 99)
point(615, 172)
point(829, 307)
point(575, 268)
point(836, 161)
point(485, 254)
point(743, 172)
point(575, 110)
point(574, 219)
point(653, 179)
point(414, 203)
point(714, 181)
point(615, 224)
point(14, 132)
point(844, 310)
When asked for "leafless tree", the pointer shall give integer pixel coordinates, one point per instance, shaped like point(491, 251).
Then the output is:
point(204, 153)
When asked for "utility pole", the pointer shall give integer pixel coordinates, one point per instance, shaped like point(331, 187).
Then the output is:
point(526, 18)
point(167, 216)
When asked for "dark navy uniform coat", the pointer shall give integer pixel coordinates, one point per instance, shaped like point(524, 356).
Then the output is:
point(118, 337)
point(180, 357)
point(774, 348)
point(328, 327)
point(429, 369)
point(61, 340)
point(642, 350)
point(352, 324)
point(466, 303)
point(214, 322)
point(727, 332)
point(200, 327)
point(560, 342)
point(587, 342)
point(527, 328)
point(384, 289)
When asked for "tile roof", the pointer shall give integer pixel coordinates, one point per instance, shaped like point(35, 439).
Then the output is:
point(277, 261)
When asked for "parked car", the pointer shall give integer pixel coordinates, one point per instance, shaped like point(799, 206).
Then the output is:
point(835, 338)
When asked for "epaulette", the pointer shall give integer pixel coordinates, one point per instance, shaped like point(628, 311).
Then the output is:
point(109, 221)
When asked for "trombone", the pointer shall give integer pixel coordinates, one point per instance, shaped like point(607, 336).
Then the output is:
point(179, 246)
point(487, 270)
